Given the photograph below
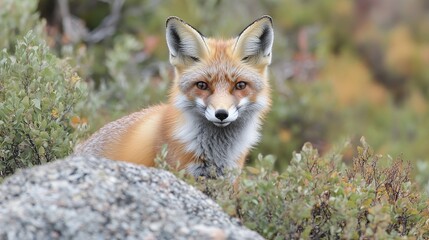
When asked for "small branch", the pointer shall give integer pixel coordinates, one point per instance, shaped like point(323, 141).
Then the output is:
point(33, 146)
point(75, 30)
point(73, 27)
point(109, 24)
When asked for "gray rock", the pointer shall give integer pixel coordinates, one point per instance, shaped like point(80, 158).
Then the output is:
point(93, 198)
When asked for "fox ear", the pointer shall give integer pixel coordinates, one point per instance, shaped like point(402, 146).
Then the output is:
point(255, 42)
point(185, 43)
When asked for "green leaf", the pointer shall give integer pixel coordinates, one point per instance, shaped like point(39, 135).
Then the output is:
point(36, 103)
point(26, 102)
point(253, 170)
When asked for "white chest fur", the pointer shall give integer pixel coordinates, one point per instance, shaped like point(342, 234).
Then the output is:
point(219, 148)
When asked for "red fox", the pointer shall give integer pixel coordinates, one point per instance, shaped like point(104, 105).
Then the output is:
point(217, 102)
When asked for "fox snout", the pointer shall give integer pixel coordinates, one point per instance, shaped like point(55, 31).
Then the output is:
point(225, 112)
point(221, 108)
point(221, 117)
point(221, 114)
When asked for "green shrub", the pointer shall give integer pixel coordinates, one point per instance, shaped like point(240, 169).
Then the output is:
point(127, 86)
point(319, 197)
point(16, 19)
point(38, 97)
point(132, 86)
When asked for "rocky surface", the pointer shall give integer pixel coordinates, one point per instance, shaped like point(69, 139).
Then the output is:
point(93, 198)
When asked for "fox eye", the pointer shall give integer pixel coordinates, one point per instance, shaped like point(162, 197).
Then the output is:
point(202, 85)
point(240, 85)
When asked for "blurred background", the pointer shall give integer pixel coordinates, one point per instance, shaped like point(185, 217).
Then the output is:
point(341, 69)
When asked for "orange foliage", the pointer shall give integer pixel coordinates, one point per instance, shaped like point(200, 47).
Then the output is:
point(417, 102)
point(285, 135)
point(352, 81)
point(401, 49)
point(343, 8)
point(76, 121)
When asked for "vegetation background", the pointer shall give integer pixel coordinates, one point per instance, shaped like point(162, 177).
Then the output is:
point(341, 69)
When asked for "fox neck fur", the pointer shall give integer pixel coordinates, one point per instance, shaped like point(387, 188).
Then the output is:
point(218, 149)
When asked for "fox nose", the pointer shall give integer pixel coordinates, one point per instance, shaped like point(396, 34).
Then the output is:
point(221, 114)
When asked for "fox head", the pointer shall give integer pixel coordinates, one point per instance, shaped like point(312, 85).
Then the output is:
point(221, 80)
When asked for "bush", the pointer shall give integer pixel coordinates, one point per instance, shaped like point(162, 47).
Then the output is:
point(127, 86)
point(16, 19)
point(39, 94)
point(130, 86)
point(320, 197)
